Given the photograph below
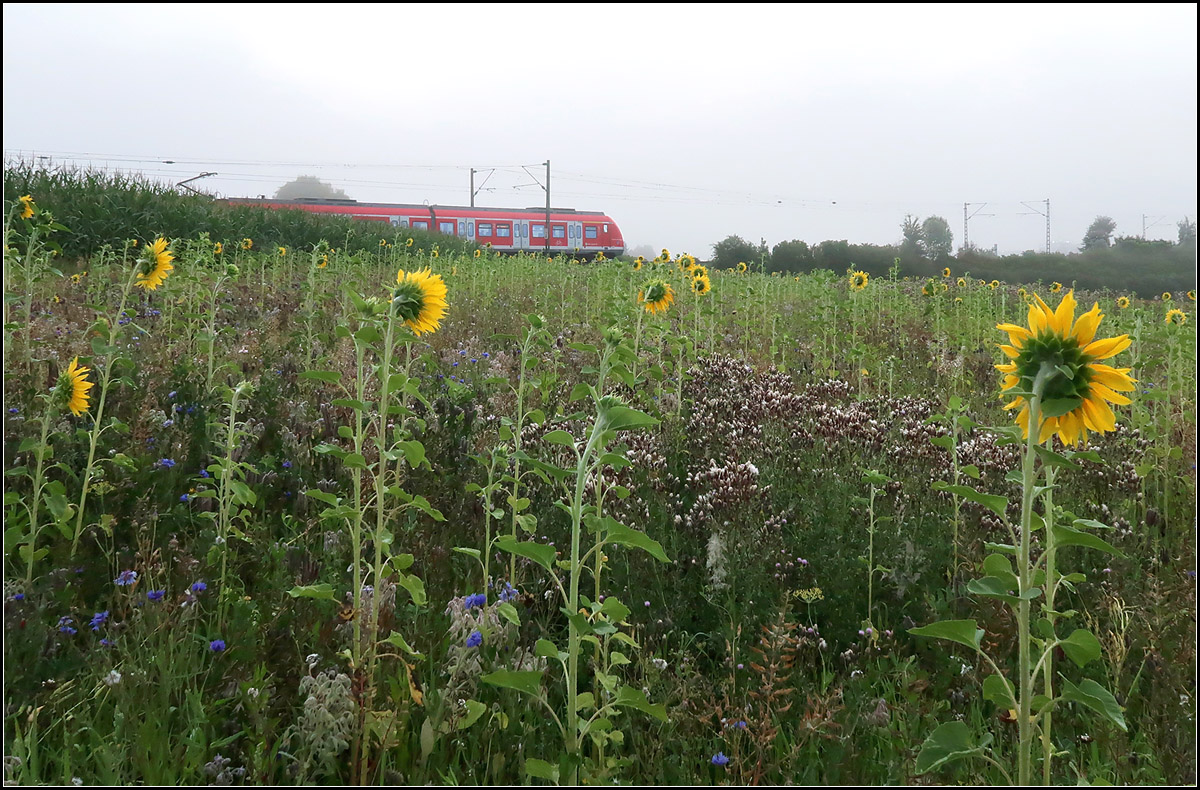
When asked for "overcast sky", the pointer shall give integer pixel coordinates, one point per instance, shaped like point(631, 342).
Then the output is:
point(685, 123)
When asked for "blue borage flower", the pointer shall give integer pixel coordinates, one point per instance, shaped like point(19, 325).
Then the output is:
point(156, 595)
point(475, 639)
point(98, 620)
point(508, 593)
point(475, 601)
point(217, 645)
point(199, 587)
point(720, 759)
point(64, 625)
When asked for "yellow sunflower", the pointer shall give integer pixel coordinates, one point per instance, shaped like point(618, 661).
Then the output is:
point(1055, 287)
point(76, 386)
point(958, 300)
point(419, 298)
point(946, 272)
point(408, 243)
point(994, 284)
point(247, 243)
point(701, 285)
point(741, 267)
point(26, 206)
point(156, 267)
point(1191, 295)
point(926, 290)
point(962, 282)
point(638, 263)
point(1064, 353)
point(945, 287)
point(478, 253)
point(665, 254)
point(858, 280)
point(656, 295)
point(699, 271)
point(383, 242)
point(218, 248)
point(282, 251)
point(1122, 302)
point(1166, 297)
point(324, 261)
point(1176, 316)
point(1021, 292)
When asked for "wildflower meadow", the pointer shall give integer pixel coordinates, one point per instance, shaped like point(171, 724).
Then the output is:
point(372, 507)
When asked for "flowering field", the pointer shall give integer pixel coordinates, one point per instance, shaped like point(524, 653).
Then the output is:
point(414, 516)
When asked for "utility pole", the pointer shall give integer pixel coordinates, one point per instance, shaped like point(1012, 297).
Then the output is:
point(1146, 227)
point(547, 207)
point(472, 187)
point(1045, 214)
point(966, 217)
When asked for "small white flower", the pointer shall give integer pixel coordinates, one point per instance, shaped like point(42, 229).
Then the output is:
point(659, 664)
point(112, 679)
point(253, 692)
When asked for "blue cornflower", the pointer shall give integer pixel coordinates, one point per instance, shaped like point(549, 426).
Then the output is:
point(454, 365)
point(178, 408)
point(486, 355)
point(191, 409)
point(184, 498)
point(287, 464)
point(149, 440)
point(473, 359)
point(14, 410)
point(172, 394)
point(125, 578)
point(199, 587)
point(508, 593)
point(720, 759)
point(741, 725)
point(106, 643)
point(167, 462)
point(18, 596)
point(462, 353)
point(476, 600)
point(204, 473)
point(217, 645)
point(168, 423)
point(98, 620)
point(64, 625)
point(156, 595)
point(475, 639)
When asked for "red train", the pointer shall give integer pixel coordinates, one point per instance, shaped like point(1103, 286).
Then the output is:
point(572, 232)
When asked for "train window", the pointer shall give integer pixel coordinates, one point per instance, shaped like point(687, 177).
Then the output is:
point(446, 227)
point(485, 229)
point(606, 227)
point(471, 228)
point(502, 230)
point(539, 231)
point(420, 224)
point(589, 232)
point(558, 231)
point(462, 228)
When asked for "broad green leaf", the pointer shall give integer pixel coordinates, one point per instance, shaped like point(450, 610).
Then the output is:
point(949, 742)
point(630, 697)
point(541, 554)
point(997, 504)
point(541, 769)
point(559, 437)
point(1057, 407)
point(1069, 536)
point(624, 536)
point(999, 690)
point(327, 376)
point(1081, 647)
point(1092, 695)
point(475, 709)
point(965, 632)
point(1051, 458)
point(396, 640)
point(509, 613)
point(545, 649)
point(323, 592)
point(524, 681)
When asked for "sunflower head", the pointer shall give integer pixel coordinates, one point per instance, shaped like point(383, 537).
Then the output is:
point(155, 265)
point(1166, 297)
point(699, 271)
point(600, 256)
point(1191, 295)
point(324, 261)
point(1122, 302)
point(946, 272)
point(26, 206)
point(638, 263)
point(408, 243)
point(656, 295)
point(282, 251)
point(701, 285)
point(478, 253)
point(1021, 292)
point(958, 300)
point(436, 254)
point(419, 299)
point(665, 254)
point(247, 243)
point(858, 281)
point(1061, 355)
point(994, 284)
point(1176, 316)
point(962, 282)
point(741, 267)
point(383, 242)
point(73, 387)
point(1055, 287)
point(945, 287)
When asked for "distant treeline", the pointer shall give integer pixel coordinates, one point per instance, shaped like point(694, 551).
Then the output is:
point(1129, 266)
point(101, 209)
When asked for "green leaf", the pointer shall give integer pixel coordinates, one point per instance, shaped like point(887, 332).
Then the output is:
point(1057, 407)
point(522, 681)
point(322, 592)
point(1081, 647)
point(559, 437)
point(945, 442)
point(469, 552)
point(321, 496)
point(415, 587)
point(1092, 695)
point(349, 403)
point(546, 649)
point(327, 376)
point(1069, 536)
point(619, 418)
point(970, 470)
point(475, 709)
point(997, 504)
point(965, 632)
point(992, 587)
point(997, 689)
point(509, 613)
point(622, 535)
point(541, 769)
point(949, 742)
point(396, 640)
point(1051, 458)
point(414, 452)
point(541, 554)
point(634, 698)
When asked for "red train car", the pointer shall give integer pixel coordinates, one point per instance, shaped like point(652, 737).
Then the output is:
point(570, 232)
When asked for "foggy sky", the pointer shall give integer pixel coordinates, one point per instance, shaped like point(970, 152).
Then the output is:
point(685, 123)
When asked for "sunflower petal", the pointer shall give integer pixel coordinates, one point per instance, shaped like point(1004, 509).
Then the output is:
point(1102, 416)
point(1064, 316)
point(1114, 378)
point(1112, 397)
point(1009, 351)
point(1085, 327)
point(1109, 347)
